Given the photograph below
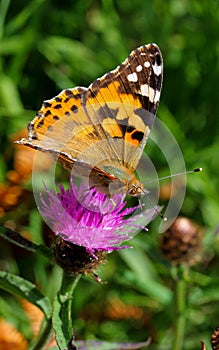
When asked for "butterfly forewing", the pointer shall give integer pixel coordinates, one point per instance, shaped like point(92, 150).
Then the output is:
point(129, 97)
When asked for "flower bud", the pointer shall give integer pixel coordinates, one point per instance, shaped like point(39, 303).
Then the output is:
point(181, 243)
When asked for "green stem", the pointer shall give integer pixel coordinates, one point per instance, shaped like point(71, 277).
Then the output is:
point(180, 297)
point(62, 320)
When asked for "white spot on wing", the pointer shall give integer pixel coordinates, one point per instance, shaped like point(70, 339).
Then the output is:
point(132, 77)
point(139, 68)
point(144, 89)
point(149, 92)
point(147, 64)
point(157, 96)
point(157, 69)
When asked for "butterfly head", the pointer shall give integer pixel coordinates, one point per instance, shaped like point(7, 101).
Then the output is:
point(135, 191)
point(135, 187)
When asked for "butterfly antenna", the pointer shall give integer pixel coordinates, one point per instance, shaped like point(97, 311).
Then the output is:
point(197, 170)
point(164, 218)
point(140, 204)
point(146, 192)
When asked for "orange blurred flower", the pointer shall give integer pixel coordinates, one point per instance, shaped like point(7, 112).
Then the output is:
point(10, 338)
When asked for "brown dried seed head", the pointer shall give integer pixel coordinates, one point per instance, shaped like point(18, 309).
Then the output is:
point(181, 243)
point(215, 339)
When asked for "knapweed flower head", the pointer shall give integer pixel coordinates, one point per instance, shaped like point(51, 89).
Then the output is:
point(181, 243)
point(88, 222)
point(215, 339)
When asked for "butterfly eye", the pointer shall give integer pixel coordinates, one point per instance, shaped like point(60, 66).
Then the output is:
point(135, 191)
point(100, 175)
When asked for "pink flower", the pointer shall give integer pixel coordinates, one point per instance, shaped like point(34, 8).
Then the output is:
point(89, 224)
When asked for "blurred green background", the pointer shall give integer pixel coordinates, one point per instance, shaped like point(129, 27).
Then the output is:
point(47, 46)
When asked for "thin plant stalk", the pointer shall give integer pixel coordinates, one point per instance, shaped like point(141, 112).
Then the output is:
point(62, 310)
point(180, 318)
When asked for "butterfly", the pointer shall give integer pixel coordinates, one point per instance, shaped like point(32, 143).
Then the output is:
point(100, 132)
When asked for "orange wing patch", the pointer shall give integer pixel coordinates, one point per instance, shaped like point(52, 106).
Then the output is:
point(110, 93)
point(64, 105)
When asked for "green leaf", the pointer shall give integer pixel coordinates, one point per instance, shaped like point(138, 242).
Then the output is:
point(139, 263)
point(8, 93)
point(23, 16)
point(62, 335)
point(22, 242)
point(62, 308)
point(27, 290)
point(4, 4)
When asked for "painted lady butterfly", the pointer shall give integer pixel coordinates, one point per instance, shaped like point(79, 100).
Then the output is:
point(100, 132)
